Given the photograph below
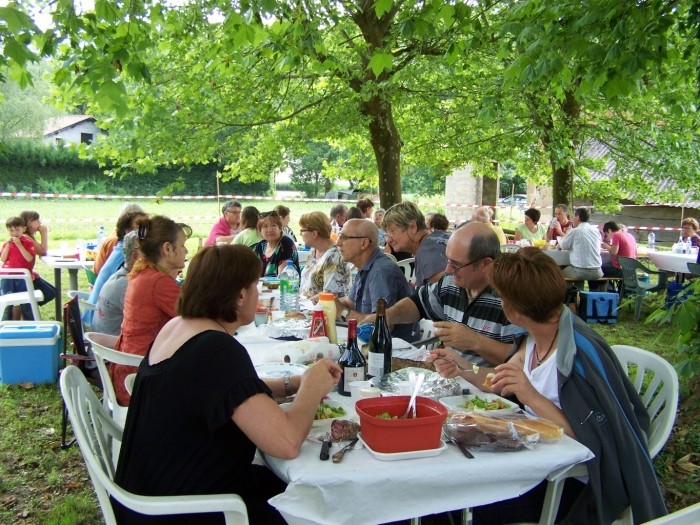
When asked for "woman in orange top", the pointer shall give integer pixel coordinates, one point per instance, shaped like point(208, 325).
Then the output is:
point(152, 292)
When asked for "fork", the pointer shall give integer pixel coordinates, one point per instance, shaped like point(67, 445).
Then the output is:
point(459, 445)
point(474, 368)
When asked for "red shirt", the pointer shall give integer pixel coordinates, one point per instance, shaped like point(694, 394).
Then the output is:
point(149, 303)
point(627, 246)
point(15, 259)
point(564, 227)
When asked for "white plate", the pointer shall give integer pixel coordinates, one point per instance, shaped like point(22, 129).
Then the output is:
point(396, 456)
point(279, 369)
point(324, 425)
point(453, 403)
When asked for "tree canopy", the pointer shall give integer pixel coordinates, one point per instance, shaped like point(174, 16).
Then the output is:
point(399, 85)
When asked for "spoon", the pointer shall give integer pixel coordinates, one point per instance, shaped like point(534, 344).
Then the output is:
point(412, 401)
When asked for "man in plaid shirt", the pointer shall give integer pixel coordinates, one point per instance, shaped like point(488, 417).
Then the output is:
point(468, 315)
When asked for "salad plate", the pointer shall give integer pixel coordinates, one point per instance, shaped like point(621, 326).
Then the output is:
point(482, 402)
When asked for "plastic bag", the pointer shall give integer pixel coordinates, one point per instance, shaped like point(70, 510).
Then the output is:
point(501, 432)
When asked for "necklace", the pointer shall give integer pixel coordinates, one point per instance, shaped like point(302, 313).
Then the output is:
point(222, 326)
point(537, 354)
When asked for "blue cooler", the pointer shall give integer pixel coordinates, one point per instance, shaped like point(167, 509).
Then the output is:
point(29, 351)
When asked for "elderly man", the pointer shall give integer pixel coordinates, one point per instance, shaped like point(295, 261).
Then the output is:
point(468, 315)
point(228, 226)
point(560, 224)
point(339, 214)
point(378, 276)
point(406, 232)
point(110, 304)
point(483, 214)
point(583, 240)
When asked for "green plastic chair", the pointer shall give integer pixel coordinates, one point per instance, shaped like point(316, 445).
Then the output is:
point(632, 285)
point(694, 268)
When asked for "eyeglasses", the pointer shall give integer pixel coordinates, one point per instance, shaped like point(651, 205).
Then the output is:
point(343, 237)
point(456, 266)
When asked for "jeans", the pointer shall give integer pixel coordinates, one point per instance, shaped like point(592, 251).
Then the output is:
point(15, 285)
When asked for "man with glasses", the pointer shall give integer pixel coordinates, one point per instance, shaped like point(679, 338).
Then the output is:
point(467, 313)
point(228, 226)
point(378, 276)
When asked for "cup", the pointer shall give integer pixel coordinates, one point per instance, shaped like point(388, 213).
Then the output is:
point(356, 387)
point(260, 318)
point(369, 391)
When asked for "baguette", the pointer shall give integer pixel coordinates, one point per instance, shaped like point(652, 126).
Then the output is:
point(504, 425)
point(489, 378)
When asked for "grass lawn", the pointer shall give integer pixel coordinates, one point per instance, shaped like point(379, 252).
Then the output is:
point(41, 484)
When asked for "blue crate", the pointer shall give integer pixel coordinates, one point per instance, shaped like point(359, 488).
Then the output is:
point(29, 351)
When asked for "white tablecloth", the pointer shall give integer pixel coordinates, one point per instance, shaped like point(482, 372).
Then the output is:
point(363, 490)
point(672, 262)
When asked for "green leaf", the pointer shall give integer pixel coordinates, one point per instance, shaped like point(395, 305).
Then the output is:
point(381, 62)
point(16, 20)
point(381, 7)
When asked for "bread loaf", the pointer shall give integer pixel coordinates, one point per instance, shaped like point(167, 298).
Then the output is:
point(489, 378)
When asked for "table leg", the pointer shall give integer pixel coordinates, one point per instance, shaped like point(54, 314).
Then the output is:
point(59, 297)
point(73, 276)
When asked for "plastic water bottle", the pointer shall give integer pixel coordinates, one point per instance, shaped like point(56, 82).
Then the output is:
point(289, 288)
point(651, 241)
point(101, 234)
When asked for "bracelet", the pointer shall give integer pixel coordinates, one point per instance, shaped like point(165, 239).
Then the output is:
point(287, 386)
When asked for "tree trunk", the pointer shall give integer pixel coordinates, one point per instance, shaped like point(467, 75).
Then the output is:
point(386, 144)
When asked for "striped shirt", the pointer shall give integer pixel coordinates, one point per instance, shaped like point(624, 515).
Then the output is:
point(445, 301)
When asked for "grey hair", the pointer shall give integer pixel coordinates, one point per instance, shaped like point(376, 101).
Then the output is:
point(484, 244)
point(338, 208)
point(130, 244)
point(402, 214)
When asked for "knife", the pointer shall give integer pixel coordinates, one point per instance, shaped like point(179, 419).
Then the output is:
point(325, 447)
point(339, 455)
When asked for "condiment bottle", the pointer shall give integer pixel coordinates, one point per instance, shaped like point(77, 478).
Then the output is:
point(318, 323)
point(352, 362)
point(327, 302)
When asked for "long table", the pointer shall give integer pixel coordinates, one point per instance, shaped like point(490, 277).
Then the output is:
point(58, 264)
point(364, 490)
point(672, 262)
point(562, 257)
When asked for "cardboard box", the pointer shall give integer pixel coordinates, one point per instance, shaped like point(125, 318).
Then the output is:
point(29, 351)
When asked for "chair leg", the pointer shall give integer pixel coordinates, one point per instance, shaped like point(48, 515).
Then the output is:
point(638, 307)
point(64, 427)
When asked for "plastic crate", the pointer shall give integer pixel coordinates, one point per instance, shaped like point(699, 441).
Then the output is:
point(29, 351)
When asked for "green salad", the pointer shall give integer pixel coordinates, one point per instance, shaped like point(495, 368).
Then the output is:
point(325, 411)
point(476, 403)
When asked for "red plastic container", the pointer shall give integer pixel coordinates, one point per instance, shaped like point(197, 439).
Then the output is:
point(400, 435)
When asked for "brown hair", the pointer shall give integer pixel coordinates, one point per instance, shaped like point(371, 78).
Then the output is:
point(530, 282)
point(689, 221)
point(29, 216)
point(364, 205)
point(250, 217)
point(316, 221)
point(281, 210)
point(272, 217)
point(439, 222)
point(155, 232)
point(127, 222)
point(215, 278)
point(14, 222)
point(533, 214)
point(355, 213)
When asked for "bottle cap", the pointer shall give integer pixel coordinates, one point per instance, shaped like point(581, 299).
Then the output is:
point(326, 296)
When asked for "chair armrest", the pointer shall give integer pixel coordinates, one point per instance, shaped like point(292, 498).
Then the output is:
point(164, 505)
point(76, 357)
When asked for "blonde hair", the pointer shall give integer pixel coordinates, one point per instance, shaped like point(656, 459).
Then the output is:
point(316, 221)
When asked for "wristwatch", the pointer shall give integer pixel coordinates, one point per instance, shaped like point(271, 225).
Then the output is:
point(287, 386)
point(344, 314)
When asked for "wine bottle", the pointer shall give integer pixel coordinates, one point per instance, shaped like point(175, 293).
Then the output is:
point(379, 353)
point(351, 361)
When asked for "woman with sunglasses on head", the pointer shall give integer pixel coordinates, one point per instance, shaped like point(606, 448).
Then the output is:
point(152, 292)
point(324, 270)
point(276, 248)
point(199, 409)
point(563, 371)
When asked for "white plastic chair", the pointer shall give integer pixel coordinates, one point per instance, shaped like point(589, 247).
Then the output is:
point(96, 432)
point(103, 349)
point(83, 299)
point(687, 516)
point(510, 248)
point(129, 383)
point(408, 270)
point(656, 382)
point(427, 335)
point(31, 296)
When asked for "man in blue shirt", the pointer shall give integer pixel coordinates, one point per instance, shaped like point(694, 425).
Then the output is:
point(378, 276)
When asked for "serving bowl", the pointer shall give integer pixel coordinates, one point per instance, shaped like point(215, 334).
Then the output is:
point(400, 435)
